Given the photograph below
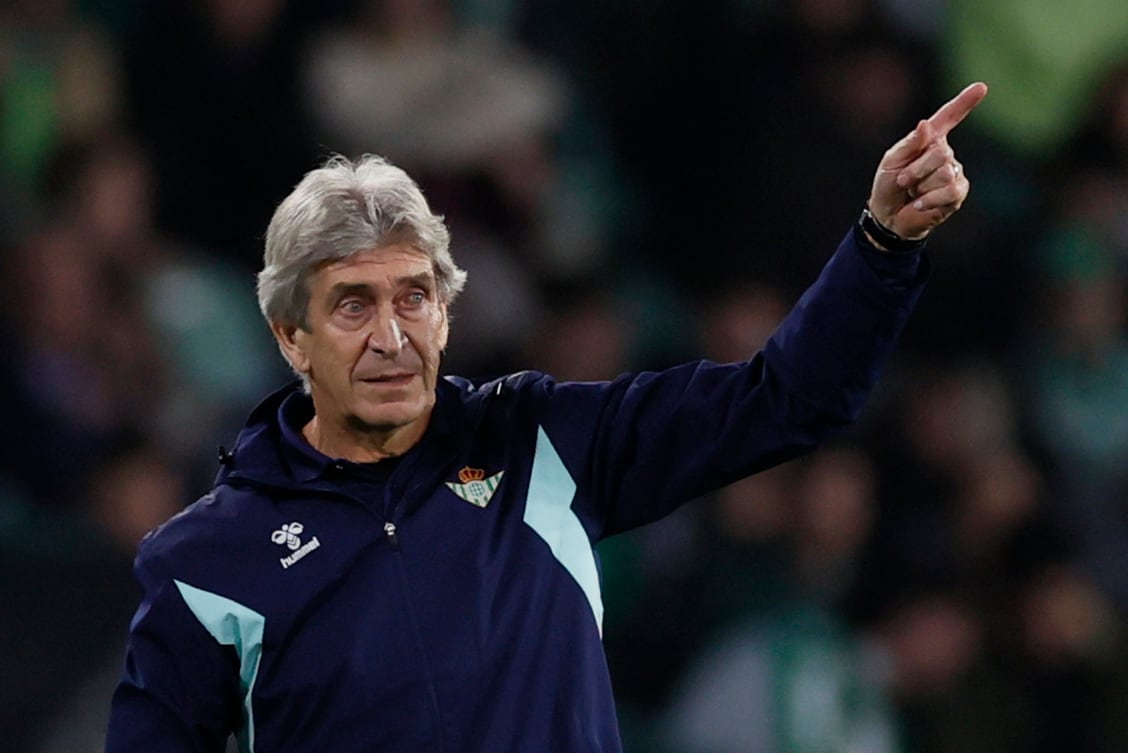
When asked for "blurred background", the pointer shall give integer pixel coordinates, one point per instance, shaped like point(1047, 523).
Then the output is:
point(630, 183)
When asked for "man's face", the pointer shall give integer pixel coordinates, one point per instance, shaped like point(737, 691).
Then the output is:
point(376, 331)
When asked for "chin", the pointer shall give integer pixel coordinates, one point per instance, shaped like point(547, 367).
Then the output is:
point(386, 417)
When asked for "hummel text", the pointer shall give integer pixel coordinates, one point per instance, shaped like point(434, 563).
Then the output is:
point(305, 549)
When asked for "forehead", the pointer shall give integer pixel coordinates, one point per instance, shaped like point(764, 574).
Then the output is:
point(382, 265)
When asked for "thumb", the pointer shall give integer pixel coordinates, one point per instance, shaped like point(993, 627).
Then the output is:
point(909, 148)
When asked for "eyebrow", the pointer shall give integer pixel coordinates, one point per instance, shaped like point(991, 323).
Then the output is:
point(340, 290)
point(421, 280)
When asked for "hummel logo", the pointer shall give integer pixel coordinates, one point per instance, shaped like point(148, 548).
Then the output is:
point(288, 536)
point(475, 487)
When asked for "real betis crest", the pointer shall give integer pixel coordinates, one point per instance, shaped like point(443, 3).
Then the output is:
point(475, 487)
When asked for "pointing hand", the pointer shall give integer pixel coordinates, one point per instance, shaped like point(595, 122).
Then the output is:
point(919, 183)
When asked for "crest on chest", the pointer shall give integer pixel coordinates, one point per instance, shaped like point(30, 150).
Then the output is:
point(474, 486)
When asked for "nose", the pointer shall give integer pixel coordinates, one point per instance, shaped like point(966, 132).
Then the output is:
point(386, 337)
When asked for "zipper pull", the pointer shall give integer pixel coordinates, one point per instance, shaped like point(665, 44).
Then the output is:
point(393, 539)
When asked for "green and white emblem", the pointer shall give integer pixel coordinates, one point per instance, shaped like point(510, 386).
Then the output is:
point(475, 488)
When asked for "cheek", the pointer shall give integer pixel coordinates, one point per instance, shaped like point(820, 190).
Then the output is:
point(339, 355)
point(441, 339)
point(442, 328)
point(432, 351)
point(429, 343)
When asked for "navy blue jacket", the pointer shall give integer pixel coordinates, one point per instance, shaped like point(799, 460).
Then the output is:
point(450, 600)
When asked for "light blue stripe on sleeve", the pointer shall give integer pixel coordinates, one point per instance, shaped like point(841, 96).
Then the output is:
point(232, 624)
point(548, 511)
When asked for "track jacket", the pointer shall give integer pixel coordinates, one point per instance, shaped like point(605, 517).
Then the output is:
point(449, 601)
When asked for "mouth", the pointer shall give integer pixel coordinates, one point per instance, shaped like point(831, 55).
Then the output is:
point(389, 380)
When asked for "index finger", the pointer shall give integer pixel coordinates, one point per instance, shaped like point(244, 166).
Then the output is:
point(957, 108)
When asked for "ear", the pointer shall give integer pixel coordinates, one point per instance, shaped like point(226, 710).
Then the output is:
point(291, 340)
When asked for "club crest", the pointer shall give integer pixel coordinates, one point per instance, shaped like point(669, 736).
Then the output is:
point(474, 486)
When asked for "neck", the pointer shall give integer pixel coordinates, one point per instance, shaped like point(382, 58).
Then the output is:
point(362, 445)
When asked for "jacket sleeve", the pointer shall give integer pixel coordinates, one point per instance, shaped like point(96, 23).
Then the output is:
point(654, 440)
point(179, 690)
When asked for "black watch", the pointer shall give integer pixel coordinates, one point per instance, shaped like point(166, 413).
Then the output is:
point(886, 238)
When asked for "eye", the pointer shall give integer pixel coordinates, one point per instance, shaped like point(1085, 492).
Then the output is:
point(415, 298)
point(351, 307)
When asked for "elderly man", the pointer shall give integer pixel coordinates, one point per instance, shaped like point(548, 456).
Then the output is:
point(394, 561)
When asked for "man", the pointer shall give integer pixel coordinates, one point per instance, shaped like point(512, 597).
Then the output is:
point(393, 561)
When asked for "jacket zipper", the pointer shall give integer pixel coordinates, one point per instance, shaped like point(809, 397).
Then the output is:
point(391, 530)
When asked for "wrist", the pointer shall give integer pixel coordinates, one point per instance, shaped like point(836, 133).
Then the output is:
point(885, 239)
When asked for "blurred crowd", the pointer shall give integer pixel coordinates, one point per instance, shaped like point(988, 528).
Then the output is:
point(630, 183)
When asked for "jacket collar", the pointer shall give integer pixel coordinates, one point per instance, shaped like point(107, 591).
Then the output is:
point(271, 449)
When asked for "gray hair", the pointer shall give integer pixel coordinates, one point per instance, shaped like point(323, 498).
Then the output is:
point(341, 209)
